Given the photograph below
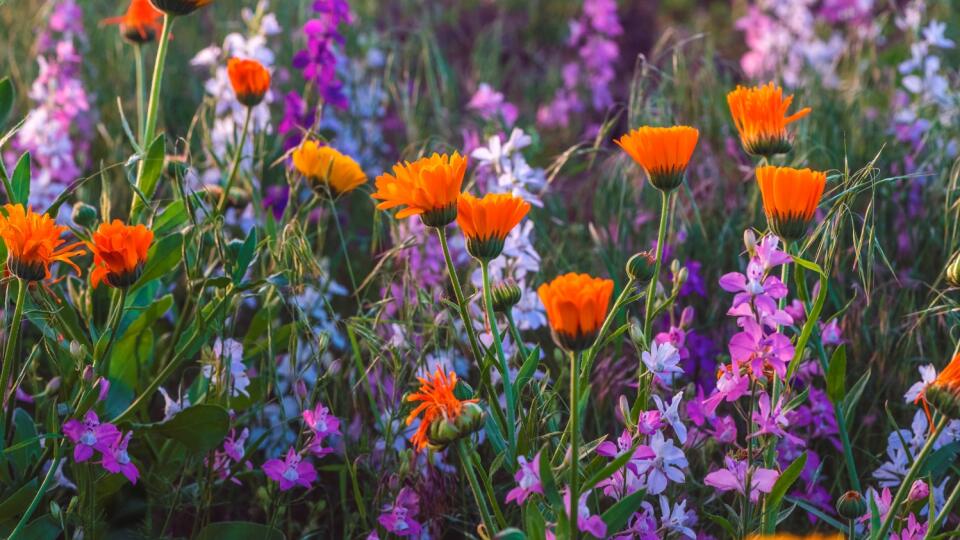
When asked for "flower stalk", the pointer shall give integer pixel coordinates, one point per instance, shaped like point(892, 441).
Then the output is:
point(652, 287)
point(504, 367)
point(9, 351)
point(458, 292)
point(234, 168)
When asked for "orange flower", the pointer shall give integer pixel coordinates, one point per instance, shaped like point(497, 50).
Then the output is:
point(944, 392)
point(428, 187)
point(119, 253)
point(662, 152)
point(179, 7)
point(442, 412)
point(141, 22)
point(760, 114)
point(250, 80)
point(325, 167)
point(32, 242)
point(486, 222)
point(790, 197)
point(788, 536)
point(576, 306)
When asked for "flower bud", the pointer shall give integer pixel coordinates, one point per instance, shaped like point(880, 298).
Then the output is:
point(953, 270)
point(682, 276)
point(640, 267)
point(53, 385)
point(851, 505)
point(505, 295)
point(919, 491)
point(750, 241)
point(77, 351)
point(88, 373)
point(443, 432)
point(84, 215)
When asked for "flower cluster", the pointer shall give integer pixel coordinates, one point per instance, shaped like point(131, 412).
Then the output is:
point(90, 435)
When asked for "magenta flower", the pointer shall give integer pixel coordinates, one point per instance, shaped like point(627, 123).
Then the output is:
point(759, 350)
point(399, 518)
point(731, 386)
point(629, 479)
point(664, 466)
point(117, 460)
point(290, 471)
point(528, 480)
point(914, 530)
point(585, 522)
point(734, 478)
point(89, 435)
point(323, 425)
point(233, 445)
point(649, 422)
point(771, 420)
point(831, 334)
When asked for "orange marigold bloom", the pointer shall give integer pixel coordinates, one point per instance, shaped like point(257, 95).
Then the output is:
point(441, 411)
point(119, 253)
point(141, 22)
point(663, 152)
point(790, 197)
point(179, 7)
point(33, 243)
point(760, 115)
point(788, 536)
point(576, 306)
point(428, 187)
point(944, 392)
point(327, 169)
point(250, 80)
point(486, 222)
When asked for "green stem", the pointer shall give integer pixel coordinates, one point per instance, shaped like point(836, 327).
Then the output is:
point(591, 354)
point(458, 292)
point(944, 512)
point(574, 447)
point(138, 62)
point(467, 463)
point(504, 367)
point(343, 248)
point(652, 287)
point(904, 488)
point(25, 518)
point(515, 332)
point(237, 155)
point(10, 351)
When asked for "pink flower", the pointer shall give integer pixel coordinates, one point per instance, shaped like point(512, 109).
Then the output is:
point(831, 334)
point(731, 386)
point(528, 480)
point(585, 522)
point(734, 477)
point(760, 350)
point(771, 420)
point(914, 530)
point(117, 460)
point(90, 435)
point(291, 471)
point(322, 424)
point(399, 518)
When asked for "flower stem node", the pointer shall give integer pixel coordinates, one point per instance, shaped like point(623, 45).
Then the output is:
point(641, 266)
point(506, 295)
point(851, 505)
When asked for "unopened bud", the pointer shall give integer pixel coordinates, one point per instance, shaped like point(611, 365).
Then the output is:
point(505, 295)
point(750, 241)
point(52, 386)
point(851, 505)
point(919, 491)
point(88, 373)
point(640, 267)
point(77, 351)
point(84, 215)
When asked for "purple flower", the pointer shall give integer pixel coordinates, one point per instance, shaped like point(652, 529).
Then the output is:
point(585, 522)
point(734, 477)
point(528, 480)
point(664, 466)
point(671, 415)
point(759, 350)
point(89, 435)
point(322, 424)
point(928, 374)
point(399, 518)
point(771, 420)
point(831, 334)
point(731, 386)
point(914, 530)
point(291, 471)
point(491, 105)
point(116, 459)
point(662, 360)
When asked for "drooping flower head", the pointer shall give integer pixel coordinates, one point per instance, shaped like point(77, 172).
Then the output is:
point(790, 198)
point(760, 115)
point(140, 24)
point(944, 392)
point(576, 306)
point(445, 418)
point(327, 169)
point(250, 80)
point(119, 253)
point(428, 187)
point(33, 243)
point(179, 7)
point(486, 222)
point(663, 152)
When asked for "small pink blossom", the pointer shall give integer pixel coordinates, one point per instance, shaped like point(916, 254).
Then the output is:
point(291, 471)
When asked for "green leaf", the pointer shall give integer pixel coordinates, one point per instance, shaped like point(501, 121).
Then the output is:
point(20, 184)
point(940, 460)
point(617, 515)
point(511, 534)
point(527, 369)
point(837, 375)
point(162, 258)
point(239, 530)
point(200, 428)
point(170, 219)
point(548, 481)
point(812, 318)
point(854, 395)
point(25, 432)
point(6, 99)
point(780, 488)
point(245, 256)
point(152, 167)
point(14, 505)
point(125, 359)
point(724, 523)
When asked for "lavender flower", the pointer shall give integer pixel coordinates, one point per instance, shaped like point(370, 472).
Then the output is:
point(399, 518)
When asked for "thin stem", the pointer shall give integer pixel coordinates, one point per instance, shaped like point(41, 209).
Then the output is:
point(467, 463)
point(652, 287)
point(944, 512)
point(574, 446)
point(504, 367)
point(25, 518)
point(515, 332)
point(343, 248)
point(458, 292)
point(591, 354)
point(138, 62)
point(237, 155)
point(10, 350)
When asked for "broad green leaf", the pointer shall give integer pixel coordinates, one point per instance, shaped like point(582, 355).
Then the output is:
point(548, 481)
point(780, 489)
point(617, 515)
point(14, 505)
point(239, 530)
point(200, 428)
point(126, 361)
point(25, 432)
point(245, 256)
point(20, 183)
point(6, 99)
point(940, 460)
point(152, 167)
point(511, 534)
point(162, 258)
point(527, 369)
point(170, 219)
point(837, 375)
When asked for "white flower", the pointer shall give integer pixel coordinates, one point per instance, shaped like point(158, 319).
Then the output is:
point(927, 374)
point(934, 35)
point(663, 361)
point(173, 406)
point(507, 165)
point(671, 415)
point(665, 466)
point(675, 519)
point(229, 352)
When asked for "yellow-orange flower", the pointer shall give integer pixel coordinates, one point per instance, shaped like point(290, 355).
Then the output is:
point(944, 392)
point(250, 80)
point(788, 536)
point(663, 152)
point(141, 22)
point(119, 253)
point(760, 115)
point(179, 7)
point(444, 417)
point(576, 306)
point(33, 243)
point(486, 222)
point(327, 169)
point(428, 187)
point(790, 198)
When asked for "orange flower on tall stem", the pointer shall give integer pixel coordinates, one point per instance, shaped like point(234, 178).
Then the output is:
point(33, 243)
point(119, 253)
point(662, 152)
point(790, 198)
point(760, 115)
point(250, 80)
point(428, 187)
point(327, 170)
point(444, 417)
point(140, 24)
point(576, 307)
point(944, 392)
point(486, 222)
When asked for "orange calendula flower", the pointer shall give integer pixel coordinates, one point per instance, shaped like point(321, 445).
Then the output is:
point(944, 392)
point(790, 198)
point(33, 243)
point(250, 80)
point(328, 170)
point(119, 253)
point(760, 115)
point(445, 418)
point(140, 24)
point(663, 152)
point(486, 222)
point(576, 306)
point(179, 7)
point(428, 187)
point(788, 536)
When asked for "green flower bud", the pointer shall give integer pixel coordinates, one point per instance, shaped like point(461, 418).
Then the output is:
point(851, 505)
point(84, 215)
point(505, 295)
point(444, 432)
point(640, 267)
